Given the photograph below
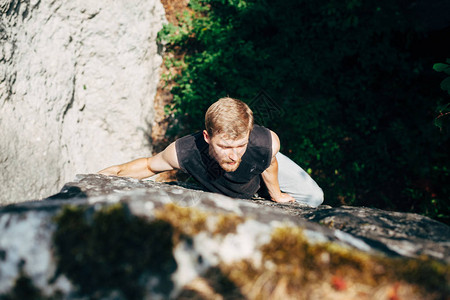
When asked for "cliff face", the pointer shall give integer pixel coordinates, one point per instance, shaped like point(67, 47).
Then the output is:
point(77, 83)
point(117, 238)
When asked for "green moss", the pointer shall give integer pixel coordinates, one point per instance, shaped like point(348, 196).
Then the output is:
point(110, 250)
point(190, 221)
point(428, 273)
point(227, 223)
point(292, 267)
point(185, 220)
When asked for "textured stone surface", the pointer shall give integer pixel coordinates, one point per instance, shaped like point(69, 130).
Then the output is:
point(369, 229)
point(394, 233)
point(188, 243)
point(77, 83)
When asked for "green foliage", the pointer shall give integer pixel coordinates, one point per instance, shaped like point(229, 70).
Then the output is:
point(355, 99)
point(443, 116)
point(443, 119)
point(444, 67)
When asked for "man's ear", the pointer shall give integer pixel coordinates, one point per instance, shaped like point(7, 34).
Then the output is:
point(206, 136)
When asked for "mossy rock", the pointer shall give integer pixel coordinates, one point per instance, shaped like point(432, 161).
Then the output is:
point(110, 250)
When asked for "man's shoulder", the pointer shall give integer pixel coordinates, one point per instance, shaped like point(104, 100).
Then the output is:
point(260, 137)
point(189, 140)
point(187, 149)
point(190, 144)
point(259, 151)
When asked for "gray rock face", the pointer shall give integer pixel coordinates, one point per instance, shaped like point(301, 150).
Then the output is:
point(118, 238)
point(402, 234)
point(77, 83)
point(393, 233)
point(368, 229)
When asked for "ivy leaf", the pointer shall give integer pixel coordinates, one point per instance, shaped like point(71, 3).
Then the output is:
point(445, 84)
point(439, 67)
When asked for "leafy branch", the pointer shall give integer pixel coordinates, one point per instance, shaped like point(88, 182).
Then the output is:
point(443, 110)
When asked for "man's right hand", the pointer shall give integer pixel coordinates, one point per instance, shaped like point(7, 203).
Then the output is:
point(146, 167)
point(114, 171)
point(137, 168)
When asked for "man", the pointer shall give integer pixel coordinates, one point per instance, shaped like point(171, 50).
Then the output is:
point(231, 157)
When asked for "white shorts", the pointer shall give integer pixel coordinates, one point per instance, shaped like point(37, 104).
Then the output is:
point(296, 182)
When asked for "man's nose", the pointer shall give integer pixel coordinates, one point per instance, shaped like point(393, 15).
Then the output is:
point(233, 154)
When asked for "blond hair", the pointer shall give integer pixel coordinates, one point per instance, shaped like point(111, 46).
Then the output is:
point(229, 116)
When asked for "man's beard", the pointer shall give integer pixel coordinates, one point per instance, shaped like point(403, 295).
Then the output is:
point(230, 168)
point(224, 163)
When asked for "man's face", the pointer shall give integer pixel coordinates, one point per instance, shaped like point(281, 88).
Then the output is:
point(227, 152)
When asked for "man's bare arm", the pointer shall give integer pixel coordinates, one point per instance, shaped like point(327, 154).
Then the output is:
point(146, 167)
point(270, 175)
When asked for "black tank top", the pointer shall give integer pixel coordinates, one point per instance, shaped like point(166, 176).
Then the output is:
point(193, 158)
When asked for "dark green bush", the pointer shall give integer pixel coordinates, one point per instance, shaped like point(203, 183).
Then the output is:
point(443, 119)
point(356, 103)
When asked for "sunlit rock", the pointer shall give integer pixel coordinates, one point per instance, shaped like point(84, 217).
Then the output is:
point(76, 78)
point(118, 238)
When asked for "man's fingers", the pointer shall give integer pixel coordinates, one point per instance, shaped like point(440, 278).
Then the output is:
point(291, 199)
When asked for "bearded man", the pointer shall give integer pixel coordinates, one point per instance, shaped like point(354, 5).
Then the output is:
point(232, 156)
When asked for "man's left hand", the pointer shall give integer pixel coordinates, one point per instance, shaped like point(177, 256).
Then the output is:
point(283, 198)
